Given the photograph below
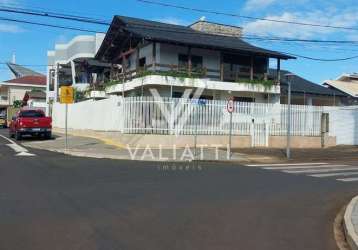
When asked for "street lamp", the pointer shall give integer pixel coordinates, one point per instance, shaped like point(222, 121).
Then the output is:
point(289, 78)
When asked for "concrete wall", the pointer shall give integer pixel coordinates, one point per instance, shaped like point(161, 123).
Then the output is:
point(344, 125)
point(103, 115)
point(301, 142)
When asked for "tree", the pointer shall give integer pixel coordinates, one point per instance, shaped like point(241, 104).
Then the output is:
point(17, 104)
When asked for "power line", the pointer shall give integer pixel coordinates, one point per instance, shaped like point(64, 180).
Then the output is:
point(50, 25)
point(103, 22)
point(54, 15)
point(26, 65)
point(242, 16)
point(37, 8)
point(323, 59)
point(93, 21)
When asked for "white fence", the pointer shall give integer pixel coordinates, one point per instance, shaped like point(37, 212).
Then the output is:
point(210, 117)
point(144, 115)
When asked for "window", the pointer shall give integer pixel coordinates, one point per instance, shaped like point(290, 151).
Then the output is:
point(142, 62)
point(183, 61)
point(32, 114)
point(206, 97)
point(243, 99)
point(177, 94)
point(196, 62)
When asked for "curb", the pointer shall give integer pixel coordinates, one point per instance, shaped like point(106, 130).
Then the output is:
point(106, 141)
point(351, 234)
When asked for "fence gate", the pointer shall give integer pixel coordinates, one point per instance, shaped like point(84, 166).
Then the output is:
point(259, 135)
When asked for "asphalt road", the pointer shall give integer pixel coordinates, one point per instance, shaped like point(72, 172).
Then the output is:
point(53, 201)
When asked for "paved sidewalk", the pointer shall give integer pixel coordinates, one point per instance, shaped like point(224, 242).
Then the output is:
point(105, 145)
point(351, 223)
point(272, 155)
point(104, 148)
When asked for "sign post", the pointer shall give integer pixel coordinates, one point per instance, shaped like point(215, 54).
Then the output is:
point(66, 98)
point(230, 107)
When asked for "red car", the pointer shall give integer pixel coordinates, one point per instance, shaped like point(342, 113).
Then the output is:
point(30, 122)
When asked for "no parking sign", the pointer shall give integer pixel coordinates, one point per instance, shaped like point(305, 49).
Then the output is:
point(230, 107)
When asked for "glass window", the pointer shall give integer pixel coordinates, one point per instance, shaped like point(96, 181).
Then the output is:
point(183, 61)
point(31, 114)
point(243, 99)
point(196, 62)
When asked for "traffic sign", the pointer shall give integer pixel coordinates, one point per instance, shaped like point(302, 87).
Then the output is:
point(66, 95)
point(230, 107)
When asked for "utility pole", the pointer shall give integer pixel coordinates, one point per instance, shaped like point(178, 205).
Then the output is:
point(289, 78)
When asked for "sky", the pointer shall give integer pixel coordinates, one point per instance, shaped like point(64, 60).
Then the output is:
point(31, 43)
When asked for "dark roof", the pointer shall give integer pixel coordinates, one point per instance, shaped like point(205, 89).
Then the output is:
point(300, 85)
point(178, 34)
point(20, 71)
point(31, 80)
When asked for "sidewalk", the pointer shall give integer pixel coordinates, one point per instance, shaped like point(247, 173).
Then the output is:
point(113, 146)
point(351, 223)
point(98, 147)
point(271, 155)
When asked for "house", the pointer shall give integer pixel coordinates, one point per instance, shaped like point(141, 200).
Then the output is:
point(35, 99)
point(20, 71)
point(73, 64)
point(172, 58)
point(304, 92)
point(14, 90)
point(346, 84)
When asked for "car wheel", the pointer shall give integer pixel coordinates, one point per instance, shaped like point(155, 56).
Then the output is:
point(18, 136)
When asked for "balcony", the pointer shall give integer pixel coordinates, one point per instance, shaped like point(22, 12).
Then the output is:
point(162, 80)
point(173, 75)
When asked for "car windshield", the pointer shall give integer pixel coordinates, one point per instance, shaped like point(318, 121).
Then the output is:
point(31, 114)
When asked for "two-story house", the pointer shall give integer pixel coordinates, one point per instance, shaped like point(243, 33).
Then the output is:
point(15, 89)
point(172, 58)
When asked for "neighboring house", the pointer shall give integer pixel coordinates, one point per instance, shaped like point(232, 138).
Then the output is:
point(15, 89)
point(347, 84)
point(304, 92)
point(73, 64)
point(172, 58)
point(20, 71)
point(35, 99)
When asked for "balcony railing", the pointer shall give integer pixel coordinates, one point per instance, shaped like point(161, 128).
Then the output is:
point(183, 72)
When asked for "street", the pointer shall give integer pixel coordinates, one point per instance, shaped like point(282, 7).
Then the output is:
point(53, 201)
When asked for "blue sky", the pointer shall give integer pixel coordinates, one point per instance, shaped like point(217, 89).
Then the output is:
point(30, 43)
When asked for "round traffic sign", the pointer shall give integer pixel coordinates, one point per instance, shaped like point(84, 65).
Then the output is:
point(230, 105)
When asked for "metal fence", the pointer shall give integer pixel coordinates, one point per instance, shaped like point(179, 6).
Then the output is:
point(146, 115)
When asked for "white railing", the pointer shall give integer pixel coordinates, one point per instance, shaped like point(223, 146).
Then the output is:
point(144, 115)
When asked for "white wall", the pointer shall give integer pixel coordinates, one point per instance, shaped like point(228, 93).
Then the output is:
point(344, 125)
point(104, 115)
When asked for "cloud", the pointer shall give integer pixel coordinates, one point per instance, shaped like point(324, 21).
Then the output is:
point(258, 4)
point(10, 28)
point(334, 17)
point(172, 20)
